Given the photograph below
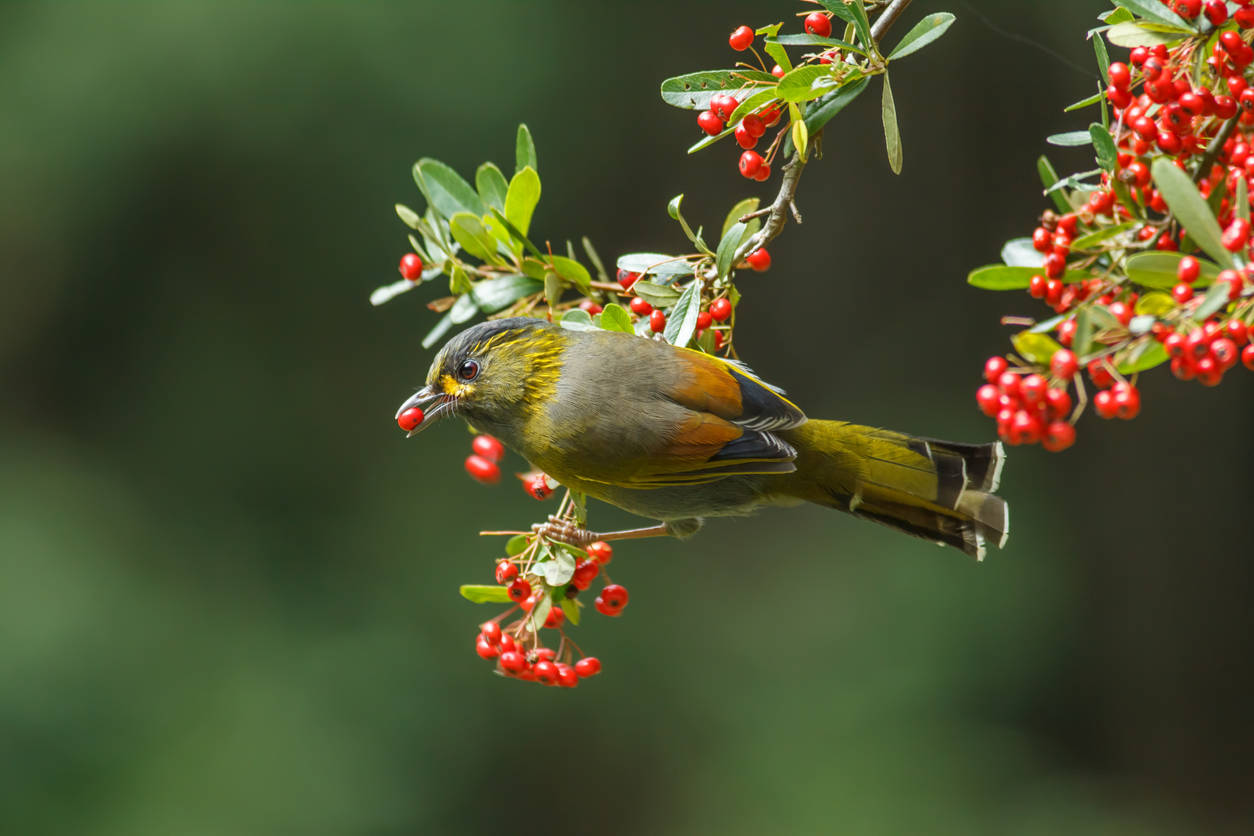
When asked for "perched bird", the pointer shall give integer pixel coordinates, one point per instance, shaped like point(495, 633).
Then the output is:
point(677, 435)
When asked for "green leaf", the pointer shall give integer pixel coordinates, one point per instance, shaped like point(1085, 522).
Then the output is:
point(1083, 337)
point(484, 594)
point(815, 40)
point(839, 8)
point(1001, 277)
point(1184, 201)
point(439, 330)
point(892, 138)
point(458, 279)
point(573, 272)
point(655, 294)
point(1155, 303)
point(1241, 200)
point(445, 190)
point(515, 545)
point(1153, 10)
point(558, 570)
point(577, 319)
point(706, 142)
point(1216, 298)
point(408, 216)
point(1103, 57)
point(772, 46)
point(1075, 181)
point(820, 111)
point(800, 136)
point(924, 32)
point(859, 21)
point(1086, 102)
point(727, 247)
point(492, 295)
point(1159, 270)
point(748, 105)
point(655, 264)
point(1146, 355)
point(615, 318)
point(516, 234)
point(799, 84)
point(693, 91)
point(1096, 237)
point(681, 322)
point(1035, 348)
point(491, 185)
point(464, 309)
point(521, 198)
point(469, 231)
point(540, 612)
point(1115, 15)
point(1145, 34)
point(1107, 154)
point(1070, 139)
point(571, 608)
point(1019, 252)
point(744, 207)
point(525, 150)
point(673, 209)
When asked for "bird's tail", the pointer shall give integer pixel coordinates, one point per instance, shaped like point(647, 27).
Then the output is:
point(938, 490)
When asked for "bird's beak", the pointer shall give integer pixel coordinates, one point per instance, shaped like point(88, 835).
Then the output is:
point(424, 399)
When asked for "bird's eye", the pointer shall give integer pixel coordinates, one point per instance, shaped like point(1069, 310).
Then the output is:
point(468, 370)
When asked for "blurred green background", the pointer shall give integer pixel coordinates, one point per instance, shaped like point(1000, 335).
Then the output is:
point(228, 583)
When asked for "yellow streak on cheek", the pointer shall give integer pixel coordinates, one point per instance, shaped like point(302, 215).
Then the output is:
point(454, 389)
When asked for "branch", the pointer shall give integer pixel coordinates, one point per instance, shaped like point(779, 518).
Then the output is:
point(1212, 150)
point(777, 214)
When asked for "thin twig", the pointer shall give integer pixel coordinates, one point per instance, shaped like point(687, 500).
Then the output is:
point(1212, 150)
point(777, 213)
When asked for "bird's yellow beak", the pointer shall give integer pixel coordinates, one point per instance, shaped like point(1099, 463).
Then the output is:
point(434, 404)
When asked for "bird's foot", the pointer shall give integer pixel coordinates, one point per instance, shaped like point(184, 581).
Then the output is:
point(564, 531)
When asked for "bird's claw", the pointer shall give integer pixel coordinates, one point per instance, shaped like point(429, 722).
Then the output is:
point(564, 531)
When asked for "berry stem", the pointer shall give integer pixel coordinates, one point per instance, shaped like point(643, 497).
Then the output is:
point(1216, 145)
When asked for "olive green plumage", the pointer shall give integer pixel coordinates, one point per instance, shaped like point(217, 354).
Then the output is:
point(677, 435)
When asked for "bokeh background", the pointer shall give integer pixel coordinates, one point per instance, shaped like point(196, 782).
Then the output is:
point(228, 583)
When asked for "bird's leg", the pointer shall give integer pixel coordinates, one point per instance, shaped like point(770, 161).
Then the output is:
point(565, 531)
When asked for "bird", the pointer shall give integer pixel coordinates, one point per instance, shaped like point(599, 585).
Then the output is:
point(676, 435)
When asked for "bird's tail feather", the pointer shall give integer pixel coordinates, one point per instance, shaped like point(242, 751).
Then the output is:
point(939, 490)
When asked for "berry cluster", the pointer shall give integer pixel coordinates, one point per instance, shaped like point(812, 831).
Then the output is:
point(482, 463)
point(519, 648)
point(1117, 263)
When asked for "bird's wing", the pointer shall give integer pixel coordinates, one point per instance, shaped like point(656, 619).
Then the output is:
point(729, 416)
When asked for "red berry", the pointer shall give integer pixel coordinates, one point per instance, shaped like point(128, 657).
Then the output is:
point(482, 470)
point(819, 24)
point(1188, 269)
point(519, 590)
point(485, 648)
point(1009, 384)
point(1042, 239)
point(994, 367)
point(1188, 9)
point(1237, 235)
point(546, 672)
point(1182, 293)
point(1237, 331)
point(410, 418)
point(759, 260)
point(723, 105)
point(566, 676)
point(1100, 374)
point(657, 322)
point(545, 654)
point(1058, 402)
point(777, 71)
point(529, 603)
point(640, 307)
point(585, 572)
point(741, 38)
point(612, 600)
point(1121, 311)
point(764, 173)
point(703, 320)
point(710, 123)
point(513, 661)
point(1036, 287)
point(555, 618)
point(537, 485)
point(506, 571)
point(1104, 403)
point(754, 125)
point(588, 666)
point(1216, 12)
point(988, 397)
point(750, 162)
point(1119, 74)
point(743, 138)
point(1055, 265)
point(488, 447)
point(626, 278)
point(601, 551)
point(1032, 389)
point(1127, 401)
point(592, 308)
point(1059, 435)
point(508, 643)
point(720, 309)
point(1064, 364)
point(411, 267)
point(1247, 356)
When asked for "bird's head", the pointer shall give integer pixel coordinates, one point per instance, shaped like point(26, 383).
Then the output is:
point(492, 374)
